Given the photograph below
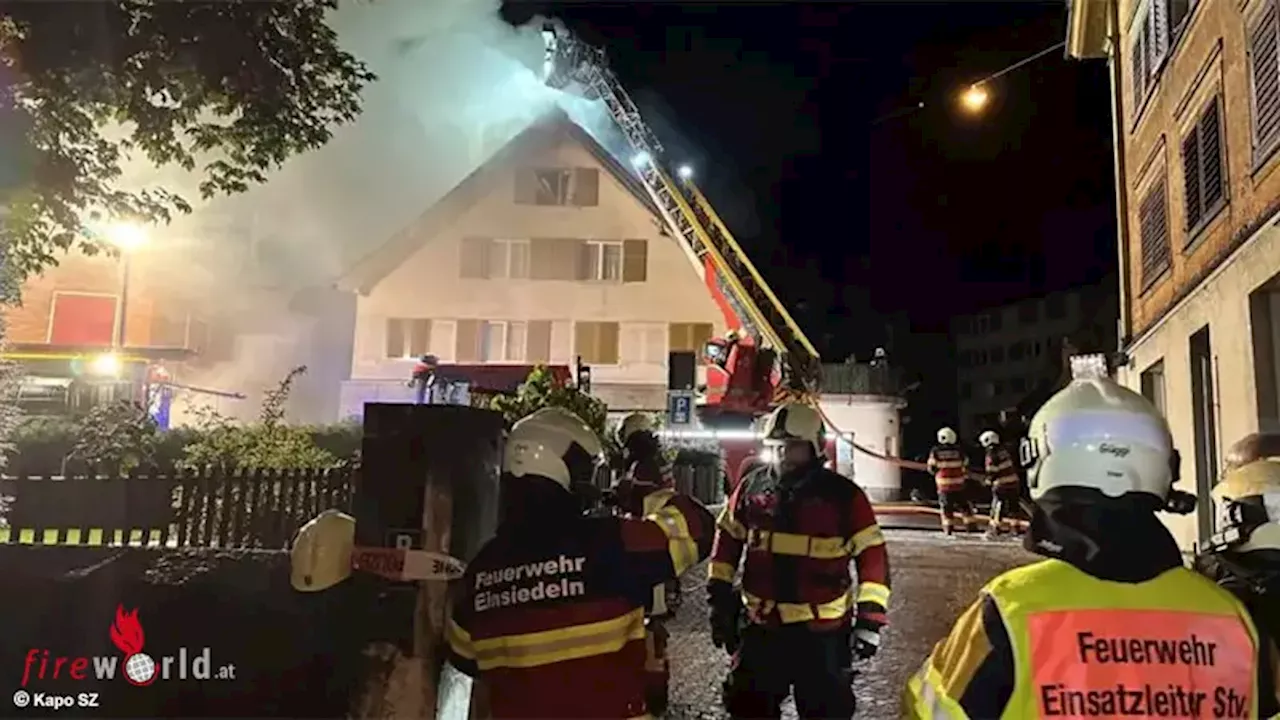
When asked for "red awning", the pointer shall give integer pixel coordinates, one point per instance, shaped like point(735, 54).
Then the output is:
point(496, 378)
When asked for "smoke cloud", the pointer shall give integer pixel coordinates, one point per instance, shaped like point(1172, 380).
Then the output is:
point(455, 84)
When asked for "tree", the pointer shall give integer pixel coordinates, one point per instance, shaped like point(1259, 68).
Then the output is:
point(542, 389)
point(233, 88)
point(116, 437)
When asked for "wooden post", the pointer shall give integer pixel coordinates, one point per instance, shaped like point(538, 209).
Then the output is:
point(430, 480)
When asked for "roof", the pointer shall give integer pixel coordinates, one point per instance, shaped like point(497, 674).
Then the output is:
point(371, 269)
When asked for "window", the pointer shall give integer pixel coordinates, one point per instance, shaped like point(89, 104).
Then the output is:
point(988, 390)
point(508, 259)
point(996, 354)
point(1017, 351)
point(1150, 47)
point(1152, 384)
point(602, 260)
point(1055, 307)
point(1179, 11)
point(579, 187)
point(1264, 62)
point(1204, 423)
point(1028, 313)
point(1157, 256)
point(997, 388)
point(644, 344)
point(1202, 168)
point(979, 357)
point(1018, 384)
point(596, 342)
point(502, 341)
point(408, 337)
point(688, 337)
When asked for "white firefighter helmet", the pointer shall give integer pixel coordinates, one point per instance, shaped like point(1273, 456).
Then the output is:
point(632, 424)
point(1096, 433)
point(555, 444)
point(947, 436)
point(795, 421)
point(989, 439)
point(321, 553)
point(1248, 497)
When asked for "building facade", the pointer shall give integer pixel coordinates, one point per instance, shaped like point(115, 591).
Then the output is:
point(550, 253)
point(1005, 353)
point(1197, 86)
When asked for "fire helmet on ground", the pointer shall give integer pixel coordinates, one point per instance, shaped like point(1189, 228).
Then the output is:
point(556, 445)
point(1248, 498)
point(989, 439)
point(321, 553)
point(632, 424)
point(1096, 433)
point(947, 436)
point(795, 421)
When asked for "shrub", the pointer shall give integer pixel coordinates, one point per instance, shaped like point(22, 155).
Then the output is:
point(115, 438)
point(542, 389)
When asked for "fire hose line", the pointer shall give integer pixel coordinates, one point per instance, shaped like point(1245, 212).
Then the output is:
point(900, 462)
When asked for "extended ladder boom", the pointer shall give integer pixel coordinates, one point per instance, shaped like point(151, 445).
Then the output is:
point(684, 208)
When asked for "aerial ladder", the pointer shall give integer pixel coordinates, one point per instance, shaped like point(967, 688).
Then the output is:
point(575, 66)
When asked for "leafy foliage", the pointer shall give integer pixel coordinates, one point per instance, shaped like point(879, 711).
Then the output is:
point(268, 444)
point(116, 437)
point(231, 88)
point(542, 389)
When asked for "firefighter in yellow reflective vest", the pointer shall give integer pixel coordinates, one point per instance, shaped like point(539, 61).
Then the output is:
point(550, 614)
point(1111, 624)
point(949, 467)
point(1006, 487)
point(801, 526)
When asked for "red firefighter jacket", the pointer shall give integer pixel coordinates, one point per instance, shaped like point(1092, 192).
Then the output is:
point(799, 537)
point(553, 621)
point(948, 465)
point(1001, 470)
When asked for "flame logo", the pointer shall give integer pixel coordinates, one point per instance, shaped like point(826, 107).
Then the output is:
point(126, 631)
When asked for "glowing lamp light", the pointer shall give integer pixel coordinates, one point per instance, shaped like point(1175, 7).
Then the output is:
point(641, 159)
point(975, 98)
point(685, 172)
point(127, 236)
point(106, 365)
point(767, 455)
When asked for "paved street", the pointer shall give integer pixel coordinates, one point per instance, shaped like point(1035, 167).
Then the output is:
point(933, 579)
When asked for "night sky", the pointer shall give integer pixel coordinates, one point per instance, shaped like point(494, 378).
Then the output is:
point(878, 230)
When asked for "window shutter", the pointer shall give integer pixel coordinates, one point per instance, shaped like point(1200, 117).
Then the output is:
point(395, 338)
point(1156, 253)
point(1210, 133)
point(608, 339)
point(586, 187)
point(1266, 80)
point(475, 257)
point(526, 186)
point(583, 261)
point(419, 337)
point(539, 342)
point(678, 337)
point(1159, 15)
point(584, 341)
point(1139, 72)
point(635, 260)
point(701, 333)
point(468, 334)
point(1191, 176)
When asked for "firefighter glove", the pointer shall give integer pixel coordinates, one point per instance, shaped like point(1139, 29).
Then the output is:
point(864, 641)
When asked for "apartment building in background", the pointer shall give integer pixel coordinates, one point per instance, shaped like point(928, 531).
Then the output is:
point(1004, 354)
point(1198, 87)
point(549, 252)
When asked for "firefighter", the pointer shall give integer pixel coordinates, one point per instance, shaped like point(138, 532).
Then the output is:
point(645, 489)
point(1111, 624)
point(1006, 487)
point(1244, 556)
point(550, 614)
point(950, 469)
point(799, 620)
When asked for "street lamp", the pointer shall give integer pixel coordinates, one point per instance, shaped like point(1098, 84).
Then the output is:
point(127, 237)
point(975, 98)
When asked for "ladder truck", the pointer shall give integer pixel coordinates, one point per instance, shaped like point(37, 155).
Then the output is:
point(767, 358)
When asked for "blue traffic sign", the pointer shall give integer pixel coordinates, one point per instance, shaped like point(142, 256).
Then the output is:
point(679, 408)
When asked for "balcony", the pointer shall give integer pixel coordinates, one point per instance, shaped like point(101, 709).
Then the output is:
point(861, 379)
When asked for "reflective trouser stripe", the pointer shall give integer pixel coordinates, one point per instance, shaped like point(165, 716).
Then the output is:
point(552, 646)
point(720, 571)
point(799, 612)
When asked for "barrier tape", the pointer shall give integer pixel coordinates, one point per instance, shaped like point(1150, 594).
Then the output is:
point(407, 565)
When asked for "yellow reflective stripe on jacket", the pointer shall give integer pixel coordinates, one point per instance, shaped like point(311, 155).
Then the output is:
point(926, 700)
point(780, 543)
point(873, 592)
point(867, 538)
point(680, 543)
point(552, 646)
point(799, 612)
point(460, 640)
point(730, 525)
point(721, 571)
point(656, 499)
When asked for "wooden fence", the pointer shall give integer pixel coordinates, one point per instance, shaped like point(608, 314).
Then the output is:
point(211, 508)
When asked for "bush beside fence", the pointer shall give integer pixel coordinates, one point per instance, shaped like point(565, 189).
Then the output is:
point(212, 508)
